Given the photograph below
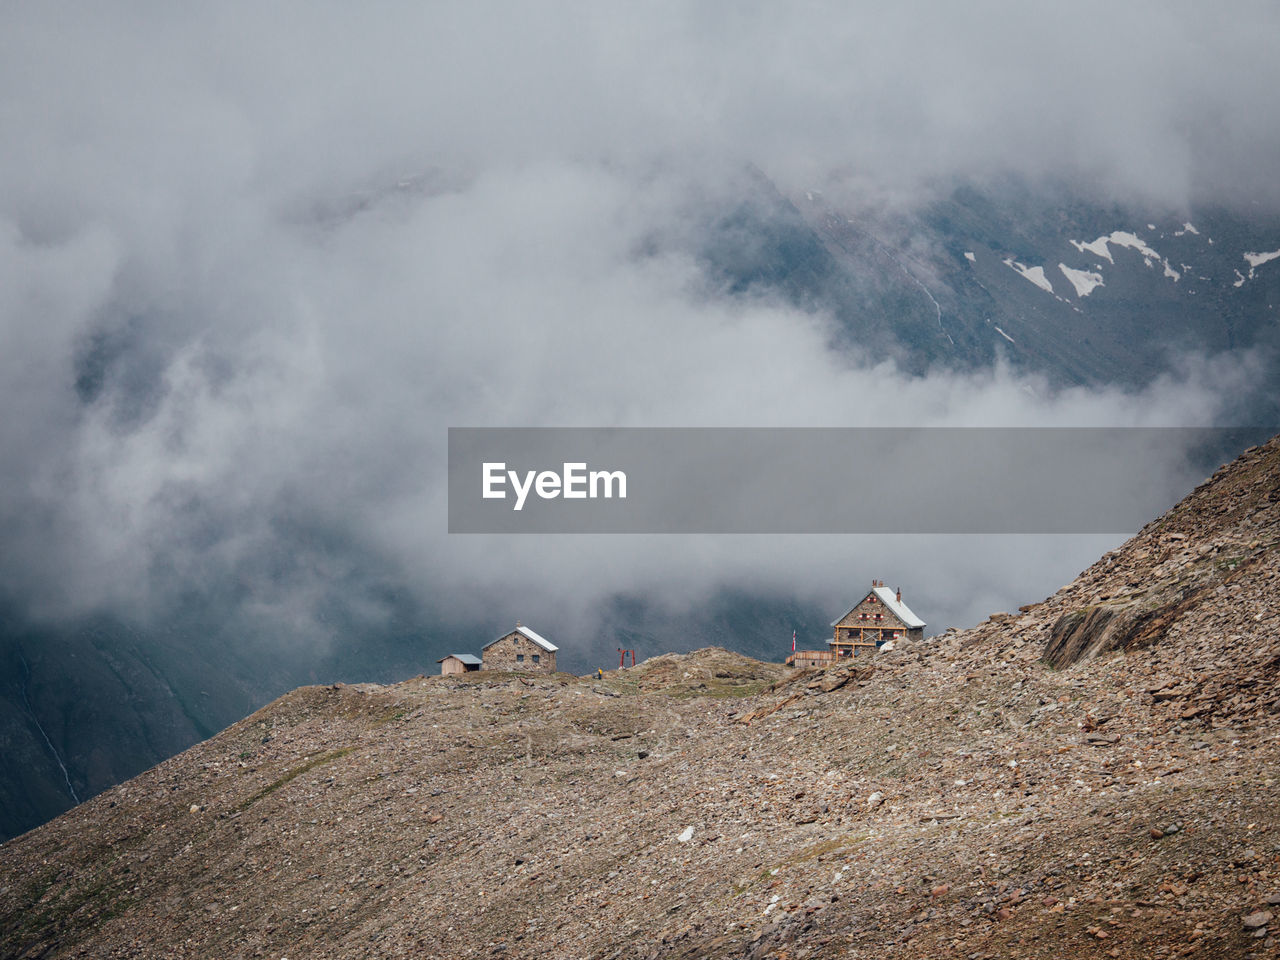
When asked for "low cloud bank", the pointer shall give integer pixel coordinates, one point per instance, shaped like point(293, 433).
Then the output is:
point(253, 265)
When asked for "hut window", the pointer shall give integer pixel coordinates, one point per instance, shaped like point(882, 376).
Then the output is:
point(519, 658)
point(537, 658)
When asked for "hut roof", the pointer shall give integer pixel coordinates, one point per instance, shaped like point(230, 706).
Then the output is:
point(894, 605)
point(545, 644)
point(469, 659)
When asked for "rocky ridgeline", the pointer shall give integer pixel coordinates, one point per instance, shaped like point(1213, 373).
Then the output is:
point(1093, 776)
point(1197, 592)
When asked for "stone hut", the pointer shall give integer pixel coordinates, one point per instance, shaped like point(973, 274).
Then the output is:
point(458, 663)
point(521, 649)
point(878, 618)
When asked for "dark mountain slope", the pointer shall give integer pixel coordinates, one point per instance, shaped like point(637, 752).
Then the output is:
point(980, 274)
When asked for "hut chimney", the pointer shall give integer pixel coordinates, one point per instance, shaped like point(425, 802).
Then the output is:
point(517, 624)
point(899, 594)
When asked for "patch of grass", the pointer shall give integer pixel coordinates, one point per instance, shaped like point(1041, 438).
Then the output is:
point(95, 900)
point(746, 689)
point(27, 897)
point(718, 691)
point(292, 775)
point(823, 847)
point(395, 713)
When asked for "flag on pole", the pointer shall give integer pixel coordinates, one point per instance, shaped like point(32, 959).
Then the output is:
point(793, 641)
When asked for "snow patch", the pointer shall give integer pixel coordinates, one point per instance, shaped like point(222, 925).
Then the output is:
point(1034, 274)
point(1255, 260)
point(1186, 228)
point(1082, 280)
point(1258, 259)
point(1007, 337)
point(968, 255)
point(1097, 247)
point(1121, 238)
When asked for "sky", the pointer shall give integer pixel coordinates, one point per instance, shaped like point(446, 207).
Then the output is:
point(255, 261)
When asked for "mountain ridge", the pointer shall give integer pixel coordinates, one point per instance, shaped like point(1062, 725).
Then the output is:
point(985, 792)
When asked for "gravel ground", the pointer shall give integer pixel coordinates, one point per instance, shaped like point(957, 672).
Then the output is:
point(1093, 775)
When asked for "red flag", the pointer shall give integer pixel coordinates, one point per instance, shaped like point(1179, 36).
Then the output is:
point(793, 641)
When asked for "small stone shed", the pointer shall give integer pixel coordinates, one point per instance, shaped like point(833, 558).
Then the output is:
point(811, 658)
point(521, 649)
point(458, 663)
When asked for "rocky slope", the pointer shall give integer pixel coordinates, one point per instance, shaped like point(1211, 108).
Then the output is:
point(1093, 775)
point(86, 706)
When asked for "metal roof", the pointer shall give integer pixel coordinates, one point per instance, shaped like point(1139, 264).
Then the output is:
point(545, 644)
point(467, 658)
point(894, 605)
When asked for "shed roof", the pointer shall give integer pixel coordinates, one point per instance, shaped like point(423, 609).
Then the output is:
point(545, 644)
point(890, 600)
point(467, 658)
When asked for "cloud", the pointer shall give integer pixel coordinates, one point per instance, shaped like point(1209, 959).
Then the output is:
point(131, 111)
point(256, 261)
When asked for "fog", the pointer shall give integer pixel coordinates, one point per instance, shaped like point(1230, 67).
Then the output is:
point(254, 263)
